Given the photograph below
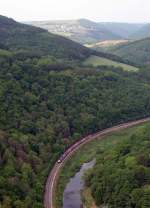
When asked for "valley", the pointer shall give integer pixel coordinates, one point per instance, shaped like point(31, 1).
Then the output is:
point(82, 30)
point(56, 95)
point(89, 32)
point(94, 146)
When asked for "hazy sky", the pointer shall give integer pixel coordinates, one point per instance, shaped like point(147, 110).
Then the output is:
point(98, 10)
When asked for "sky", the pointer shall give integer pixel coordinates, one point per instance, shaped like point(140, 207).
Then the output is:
point(96, 10)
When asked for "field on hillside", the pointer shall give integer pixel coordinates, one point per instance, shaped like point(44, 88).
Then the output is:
point(98, 61)
point(107, 43)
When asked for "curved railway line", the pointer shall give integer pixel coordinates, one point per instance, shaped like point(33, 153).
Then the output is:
point(53, 176)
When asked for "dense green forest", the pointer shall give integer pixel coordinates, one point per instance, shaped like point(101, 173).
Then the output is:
point(44, 109)
point(47, 101)
point(121, 176)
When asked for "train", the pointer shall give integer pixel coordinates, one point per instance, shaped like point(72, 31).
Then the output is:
point(70, 149)
point(83, 139)
point(99, 133)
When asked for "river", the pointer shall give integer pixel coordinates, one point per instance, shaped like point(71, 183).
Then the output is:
point(72, 192)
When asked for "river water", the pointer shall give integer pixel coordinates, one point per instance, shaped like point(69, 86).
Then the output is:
point(72, 192)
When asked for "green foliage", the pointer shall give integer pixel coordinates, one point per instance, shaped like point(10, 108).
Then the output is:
point(44, 109)
point(122, 178)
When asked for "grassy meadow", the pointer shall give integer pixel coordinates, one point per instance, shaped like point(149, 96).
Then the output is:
point(99, 61)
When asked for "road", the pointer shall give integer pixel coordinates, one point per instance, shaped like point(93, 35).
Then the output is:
point(53, 176)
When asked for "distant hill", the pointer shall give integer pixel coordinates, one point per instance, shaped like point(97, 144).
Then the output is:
point(15, 36)
point(33, 41)
point(82, 30)
point(124, 30)
point(137, 51)
point(26, 39)
point(143, 32)
point(88, 32)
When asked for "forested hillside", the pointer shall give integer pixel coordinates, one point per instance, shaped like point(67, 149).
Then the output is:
point(46, 103)
point(138, 51)
point(121, 176)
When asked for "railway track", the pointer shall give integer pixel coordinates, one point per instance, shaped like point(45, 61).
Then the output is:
point(53, 176)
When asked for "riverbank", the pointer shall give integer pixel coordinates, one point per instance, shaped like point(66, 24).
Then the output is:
point(88, 201)
point(87, 153)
